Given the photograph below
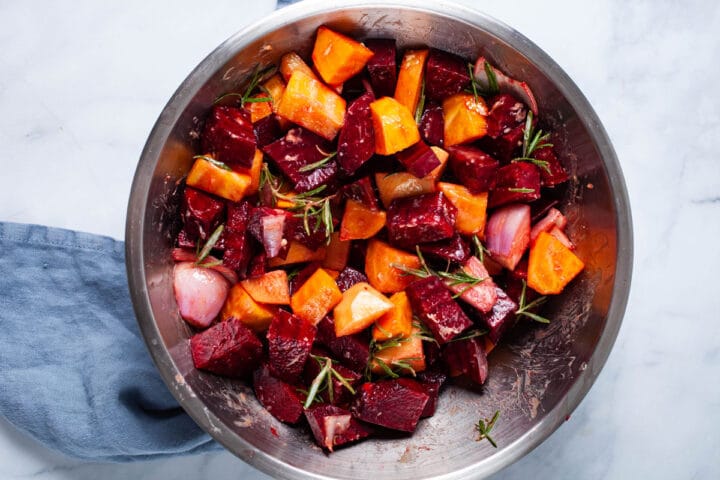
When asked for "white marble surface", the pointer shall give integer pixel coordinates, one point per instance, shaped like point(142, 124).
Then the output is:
point(81, 84)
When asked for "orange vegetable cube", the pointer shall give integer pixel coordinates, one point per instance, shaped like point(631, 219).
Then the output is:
point(409, 352)
point(552, 265)
point(443, 156)
point(397, 323)
point(472, 208)
point(316, 297)
point(311, 104)
point(360, 222)
point(337, 57)
point(260, 110)
point(360, 306)
point(291, 63)
point(464, 119)
point(214, 179)
point(379, 260)
point(271, 288)
point(298, 253)
point(276, 87)
point(240, 305)
point(336, 253)
point(394, 124)
point(410, 78)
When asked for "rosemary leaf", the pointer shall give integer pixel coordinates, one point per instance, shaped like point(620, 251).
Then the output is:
point(521, 190)
point(312, 166)
point(524, 309)
point(493, 87)
point(210, 244)
point(484, 427)
point(213, 162)
point(421, 104)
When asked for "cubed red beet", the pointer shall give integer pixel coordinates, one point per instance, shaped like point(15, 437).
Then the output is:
point(382, 66)
point(445, 74)
point(506, 113)
point(501, 317)
point(272, 227)
point(473, 167)
point(356, 143)
point(454, 249)
point(432, 124)
point(348, 277)
point(228, 135)
point(418, 159)
point(420, 219)
point(362, 191)
point(555, 173)
point(432, 302)
point(238, 248)
point(289, 341)
point(341, 395)
point(505, 147)
point(227, 348)
point(333, 426)
point(433, 381)
point(482, 295)
point(352, 350)
point(267, 130)
point(201, 214)
point(467, 358)
point(396, 404)
point(515, 182)
point(279, 398)
point(258, 264)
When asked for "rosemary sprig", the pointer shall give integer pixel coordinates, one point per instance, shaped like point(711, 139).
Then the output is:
point(421, 104)
point(323, 380)
point(484, 426)
point(389, 370)
point(212, 161)
point(521, 190)
point(533, 141)
point(209, 245)
point(479, 248)
point(473, 82)
point(312, 166)
point(461, 277)
point(423, 272)
point(475, 332)
point(493, 87)
point(524, 309)
point(258, 76)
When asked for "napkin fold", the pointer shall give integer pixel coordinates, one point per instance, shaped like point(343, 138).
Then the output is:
point(74, 371)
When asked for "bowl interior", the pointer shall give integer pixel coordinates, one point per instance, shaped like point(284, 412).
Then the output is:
point(536, 377)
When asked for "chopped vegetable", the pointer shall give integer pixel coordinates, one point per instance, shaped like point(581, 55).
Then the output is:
point(359, 307)
point(552, 265)
point(394, 126)
point(337, 57)
point(318, 295)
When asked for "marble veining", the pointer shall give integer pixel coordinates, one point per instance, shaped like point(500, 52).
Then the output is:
point(82, 83)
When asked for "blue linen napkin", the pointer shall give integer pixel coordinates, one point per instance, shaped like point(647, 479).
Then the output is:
point(74, 370)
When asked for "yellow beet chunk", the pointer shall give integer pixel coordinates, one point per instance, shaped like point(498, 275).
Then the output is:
point(551, 265)
point(395, 127)
point(360, 306)
point(317, 296)
point(240, 305)
point(464, 116)
point(311, 104)
point(408, 354)
point(380, 262)
point(397, 323)
point(360, 222)
point(214, 179)
point(410, 78)
point(271, 288)
point(337, 57)
point(292, 62)
point(472, 208)
point(298, 253)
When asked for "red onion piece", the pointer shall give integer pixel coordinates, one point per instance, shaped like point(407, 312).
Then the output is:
point(188, 255)
point(506, 84)
point(199, 292)
point(273, 227)
point(508, 234)
point(554, 218)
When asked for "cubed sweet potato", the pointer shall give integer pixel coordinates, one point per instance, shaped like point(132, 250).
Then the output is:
point(214, 179)
point(360, 222)
point(408, 353)
point(241, 305)
point(381, 273)
point(298, 253)
point(271, 288)
point(471, 208)
point(318, 295)
point(397, 323)
point(260, 110)
point(551, 265)
point(276, 87)
point(291, 62)
point(359, 307)
point(464, 117)
point(394, 125)
point(338, 57)
point(410, 78)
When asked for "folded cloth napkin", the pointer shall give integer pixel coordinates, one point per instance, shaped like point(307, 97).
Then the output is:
point(74, 371)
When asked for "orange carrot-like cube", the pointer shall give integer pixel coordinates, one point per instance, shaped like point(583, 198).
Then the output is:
point(442, 155)
point(218, 180)
point(240, 304)
point(311, 104)
point(260, 110)
point(337, 57)
point(472, 208)
point(464, 116)
point(407, 355)
point(552, 265)
point(360, 222)
point(271, 288)
point(336, 253)
point(360, 306)
point(292, 62)
point(397, 323)
point(316, 297)
point(410, 78)
point(298, 253)
point(394, 124)
point(380, 262)
point(276, 87)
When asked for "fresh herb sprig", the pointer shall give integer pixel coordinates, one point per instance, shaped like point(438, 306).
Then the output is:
point(207, 248)
point(479, 248)
point(213, 162)
point(421, 104)
point(391, 370)
point(323, 381)
point(475, 332)
point(320, 163)
point(485, 426)
point(525, 308)
point(533, 141)
point(258, 76)
point(459, 277)
point(492, 87)
point(521, 190)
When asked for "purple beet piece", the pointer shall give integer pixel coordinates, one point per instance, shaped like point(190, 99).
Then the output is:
point(506, 114)
point(258, 265)
point(445, 74)
point(298, 149)
point(281, 399)
point(454, 249)
point(505, 147)
point(501, 317)
point(228, 135)
point(395, 404)
point(362, 191)
point(555, 173)
point(433, 381)
point(473, 167)
point(467, 358)
point(238, 249)
point(271, 227)
point(382, 66)
point(201, 214)
point(433, 354)
point(333, 426)
point(289, 341)
point(313, 240)
point(227, 348)
point(432, 302)
point(341, 395)
point(352, 350)
point(356, 143)
point(267, 130)
point(432, 124)
point(515, 182)
point(185, 240)
point(418, 159)
point(348, 277)
point(420, 219)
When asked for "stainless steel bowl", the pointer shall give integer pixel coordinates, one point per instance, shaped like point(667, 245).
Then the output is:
point(536, 378)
